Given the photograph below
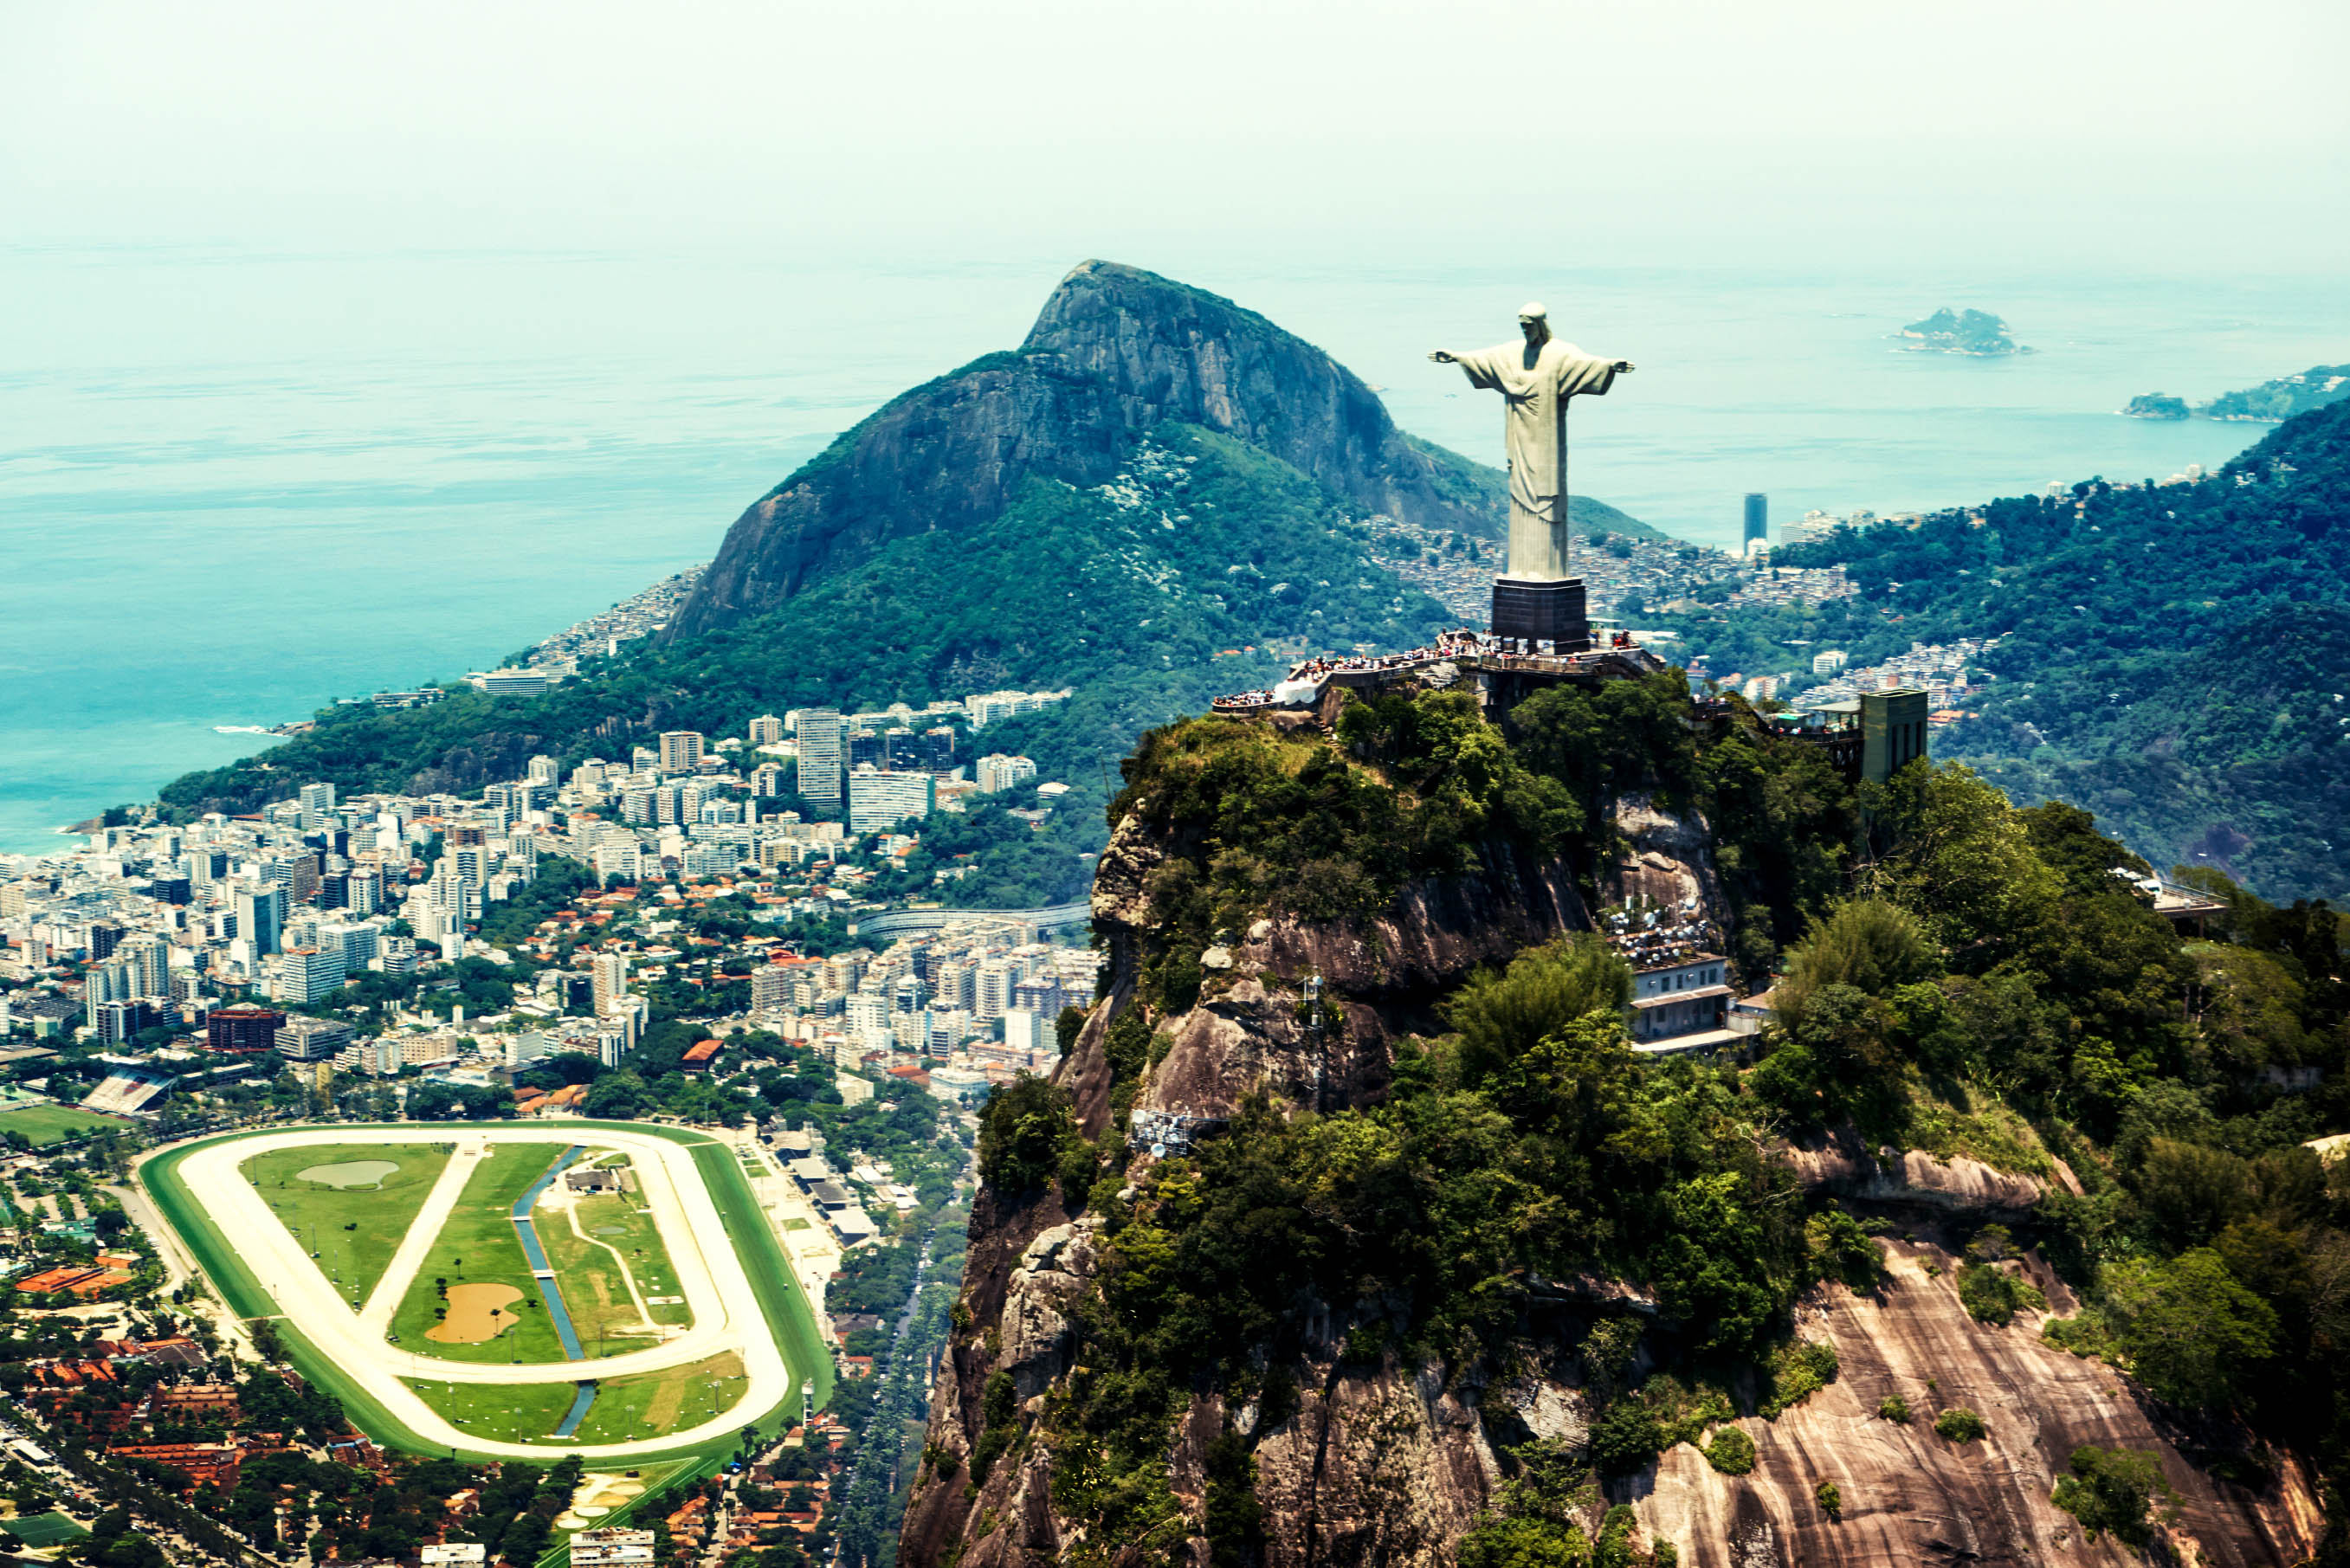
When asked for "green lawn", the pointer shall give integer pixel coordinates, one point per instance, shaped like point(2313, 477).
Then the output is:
point(44, 1528)
point(43, 1124)
point(789, 1317)
point(593, 1288)
point(643, 1405)
point(521, 1413)
point(353, 1230)
point(478, 1246)
point(649, 1404)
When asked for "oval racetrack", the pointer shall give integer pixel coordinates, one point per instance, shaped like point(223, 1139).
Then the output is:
point(726, 1313)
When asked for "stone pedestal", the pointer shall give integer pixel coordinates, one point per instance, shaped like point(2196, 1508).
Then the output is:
point(1549, 612)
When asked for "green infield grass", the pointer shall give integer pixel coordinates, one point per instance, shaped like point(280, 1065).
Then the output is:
point(343, 1207)
point(649, 1404)
point(621, 1243)
point(516, 1413)
point(42, 1126)
point(626, 1409)
point(477, 1254)
point(789, 1317)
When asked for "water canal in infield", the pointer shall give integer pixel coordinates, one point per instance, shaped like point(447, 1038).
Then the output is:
point(579, 1412)
point(526, 1229)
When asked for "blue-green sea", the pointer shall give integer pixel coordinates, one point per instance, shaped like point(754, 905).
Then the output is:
point(235, 485)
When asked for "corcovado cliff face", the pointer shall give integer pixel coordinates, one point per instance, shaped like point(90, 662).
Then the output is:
point(1130, 1382)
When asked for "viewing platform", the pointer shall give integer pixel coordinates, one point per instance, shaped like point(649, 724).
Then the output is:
point(1505, 669)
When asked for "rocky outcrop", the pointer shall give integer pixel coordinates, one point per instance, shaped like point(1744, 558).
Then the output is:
point(1845, 1164)
point(1381, 1464)
point(1391, 1459)
point(1909, 1496)
point(1667, 860)
point(1115, 351)
point(1371, 981)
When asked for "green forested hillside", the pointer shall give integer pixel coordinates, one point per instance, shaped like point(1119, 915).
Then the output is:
point(2174, 655)
point(1969, 979)
point(2315, 387)
point(1148, 597)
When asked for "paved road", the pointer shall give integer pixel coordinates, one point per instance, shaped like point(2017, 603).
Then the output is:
point(726, 1314)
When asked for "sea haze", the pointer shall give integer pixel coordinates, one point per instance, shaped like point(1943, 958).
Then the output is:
point(233, 487)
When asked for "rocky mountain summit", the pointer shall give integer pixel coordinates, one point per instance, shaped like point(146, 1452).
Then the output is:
point(1116, 352)
point(1351, 1231)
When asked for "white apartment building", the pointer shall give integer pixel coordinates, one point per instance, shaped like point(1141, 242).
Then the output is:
point(878, 800)
point(998, 771)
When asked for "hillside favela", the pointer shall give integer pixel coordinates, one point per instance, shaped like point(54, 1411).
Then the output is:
point(1605, 835)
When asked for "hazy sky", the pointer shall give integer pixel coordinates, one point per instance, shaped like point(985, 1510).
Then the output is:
point(2122, 132)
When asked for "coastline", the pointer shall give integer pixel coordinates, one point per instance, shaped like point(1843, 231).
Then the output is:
point(628, 615)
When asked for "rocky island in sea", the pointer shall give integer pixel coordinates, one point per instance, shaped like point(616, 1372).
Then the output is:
point(1947, 331)
point(2156, 406)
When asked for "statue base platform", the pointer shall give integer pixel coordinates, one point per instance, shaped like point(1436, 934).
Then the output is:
point(1551, 612)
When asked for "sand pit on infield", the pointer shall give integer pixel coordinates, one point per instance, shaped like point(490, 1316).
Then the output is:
point(476, 1313)
point(357, 1173)
point(599, 1495)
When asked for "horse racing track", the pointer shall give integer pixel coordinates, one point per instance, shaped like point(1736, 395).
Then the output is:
point(507, 1290)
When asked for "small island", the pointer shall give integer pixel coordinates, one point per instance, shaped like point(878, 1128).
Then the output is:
point(2156, 406)
point(1973, 332)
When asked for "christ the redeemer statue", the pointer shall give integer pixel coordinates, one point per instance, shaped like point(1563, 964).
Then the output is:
point(1535, 379)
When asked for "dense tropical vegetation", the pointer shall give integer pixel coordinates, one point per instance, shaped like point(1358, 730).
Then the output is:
point(2174, 658)
point(1959, 975)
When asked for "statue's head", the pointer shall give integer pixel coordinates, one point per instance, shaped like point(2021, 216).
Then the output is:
point(1535, 322)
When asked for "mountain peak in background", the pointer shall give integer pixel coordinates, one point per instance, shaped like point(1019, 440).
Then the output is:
point(1115, 352)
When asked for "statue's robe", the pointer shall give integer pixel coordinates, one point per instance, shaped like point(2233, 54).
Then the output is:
point(1534, 385)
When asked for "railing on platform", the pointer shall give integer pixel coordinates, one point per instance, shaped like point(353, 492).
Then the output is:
point(1308, 681)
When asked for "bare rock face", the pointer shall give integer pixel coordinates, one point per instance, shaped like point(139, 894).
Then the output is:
point(1845, 1166)
point(1027, 1263)
point(1377, 1466)
point(1909, 1496)
point(1035, 1330)
point(1115, 351)
point(1255, 1026)
point(1668, 859)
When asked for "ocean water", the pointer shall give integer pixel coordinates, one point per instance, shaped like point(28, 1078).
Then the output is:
point(237, 485)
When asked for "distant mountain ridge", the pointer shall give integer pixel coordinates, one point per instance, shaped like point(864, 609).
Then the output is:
point(1115, 353)
point(2271, 403)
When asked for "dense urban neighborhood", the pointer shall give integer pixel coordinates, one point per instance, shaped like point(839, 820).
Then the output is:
point(740, 935)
